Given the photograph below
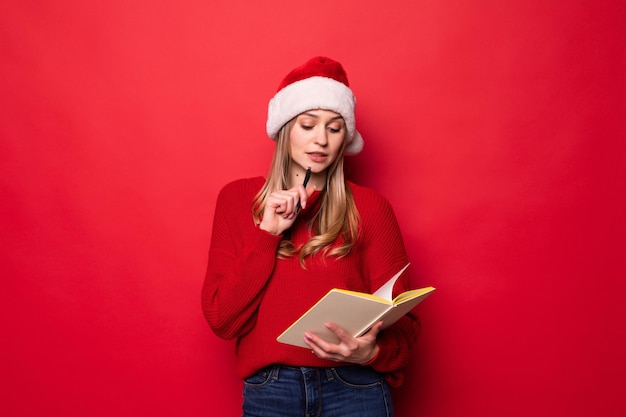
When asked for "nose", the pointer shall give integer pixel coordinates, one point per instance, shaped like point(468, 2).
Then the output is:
point(322, 137)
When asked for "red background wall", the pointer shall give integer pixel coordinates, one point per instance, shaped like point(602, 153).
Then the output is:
point(494, 128)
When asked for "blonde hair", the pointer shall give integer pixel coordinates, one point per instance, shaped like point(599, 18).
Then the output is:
point(334, 227)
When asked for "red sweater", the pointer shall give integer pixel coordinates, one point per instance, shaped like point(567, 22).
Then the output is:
point(251, 295)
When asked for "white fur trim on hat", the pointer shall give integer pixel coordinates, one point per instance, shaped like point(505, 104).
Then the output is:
point(314, 93)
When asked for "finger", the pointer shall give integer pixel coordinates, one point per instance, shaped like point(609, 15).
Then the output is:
point(343, 336)
point(304, 194)
point(373, 332)
point(291, 198)
point(276, 205)
point(320, 347)
point(314, 341)
point(315, 349)
point(283, 202)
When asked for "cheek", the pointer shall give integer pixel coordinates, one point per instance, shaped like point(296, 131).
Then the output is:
point(336, 144)
point(296, 139)
point(293, 145)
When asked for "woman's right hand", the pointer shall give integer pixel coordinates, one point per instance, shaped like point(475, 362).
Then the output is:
point(281, 208)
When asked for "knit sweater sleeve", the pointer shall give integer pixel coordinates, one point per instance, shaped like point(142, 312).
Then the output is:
point(241, 261)
point(385, 254)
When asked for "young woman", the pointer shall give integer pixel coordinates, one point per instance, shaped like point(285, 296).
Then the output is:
point(277, 247)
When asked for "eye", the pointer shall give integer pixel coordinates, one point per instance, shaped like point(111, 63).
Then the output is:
point(306, 127)
point(334, 129)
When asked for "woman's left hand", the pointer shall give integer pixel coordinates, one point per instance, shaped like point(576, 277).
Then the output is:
point(357, 350)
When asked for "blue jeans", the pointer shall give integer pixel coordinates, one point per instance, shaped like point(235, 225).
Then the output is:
point(348, 391)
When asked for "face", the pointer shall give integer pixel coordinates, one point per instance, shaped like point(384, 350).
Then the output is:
point(315, 139)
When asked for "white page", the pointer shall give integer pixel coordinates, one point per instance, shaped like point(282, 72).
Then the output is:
point(386, 291)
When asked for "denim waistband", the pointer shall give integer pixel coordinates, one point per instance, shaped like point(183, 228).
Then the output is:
point(275, 371)
point(328, 373)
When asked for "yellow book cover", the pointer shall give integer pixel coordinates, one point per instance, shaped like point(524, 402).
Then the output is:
point(355, 312)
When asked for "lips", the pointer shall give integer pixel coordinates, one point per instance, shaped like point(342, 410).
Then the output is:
point(317, 156)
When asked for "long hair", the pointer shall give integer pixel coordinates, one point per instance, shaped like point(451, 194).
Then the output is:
point(335, 227)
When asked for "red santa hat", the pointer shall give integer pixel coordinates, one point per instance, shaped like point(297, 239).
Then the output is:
point(321, 83)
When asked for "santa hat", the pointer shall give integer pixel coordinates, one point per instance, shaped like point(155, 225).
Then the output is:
point(320, 83)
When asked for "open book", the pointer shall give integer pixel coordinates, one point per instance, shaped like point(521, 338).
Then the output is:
point(355, 312)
